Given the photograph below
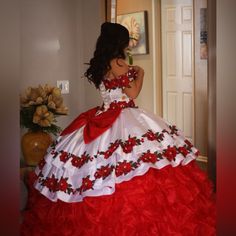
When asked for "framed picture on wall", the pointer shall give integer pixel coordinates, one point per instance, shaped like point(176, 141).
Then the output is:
point(203, 33)
point(136, 23)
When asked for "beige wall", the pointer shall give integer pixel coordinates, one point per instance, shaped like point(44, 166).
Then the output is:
point(200, 84)
point(92, 19)
point(57, 38)
point(48, 47)
point(145, 98)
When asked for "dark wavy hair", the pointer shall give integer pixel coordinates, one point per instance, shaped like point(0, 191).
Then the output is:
point(113, 39)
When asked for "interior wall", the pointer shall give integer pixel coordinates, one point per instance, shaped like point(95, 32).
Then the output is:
point(48, 42)
point(145, 98)
point(57, 38)
point(92, 18)
point(200, 84)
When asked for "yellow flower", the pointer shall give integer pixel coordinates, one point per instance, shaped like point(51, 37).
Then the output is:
point(56, 92)
point(33, 96)
point(42, 116)
point(39, 106)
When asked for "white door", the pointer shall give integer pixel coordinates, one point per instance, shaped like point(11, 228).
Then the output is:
point(177, 64)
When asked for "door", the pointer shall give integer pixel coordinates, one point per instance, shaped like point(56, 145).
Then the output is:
point(177, 64)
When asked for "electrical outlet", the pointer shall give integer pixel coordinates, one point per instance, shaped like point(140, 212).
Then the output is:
point(63, 85)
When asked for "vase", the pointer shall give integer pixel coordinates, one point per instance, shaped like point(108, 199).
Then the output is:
point(34, 146)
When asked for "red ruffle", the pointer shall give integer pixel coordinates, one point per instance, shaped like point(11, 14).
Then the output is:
point(171, 201)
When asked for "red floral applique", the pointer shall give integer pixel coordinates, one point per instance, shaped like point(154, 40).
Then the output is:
point(80, 161)
point(150, 135)
point(183, 151)
point(86, 184)
point(111, 84)
point(125, 167)
point(127, 148)
point(51, 183)
point(41, 164)
point(173, 130)
point(170, 153)
point(64, 186)
point(112, 147)
point(149, 157)
point(121, 105)
point(53, 146)
point(128, 145)
point(154, 136)
point(107, 154)
point(63, 156)
point(103, 172)
point(124, 81)
point(121, 81)
point(188, 143)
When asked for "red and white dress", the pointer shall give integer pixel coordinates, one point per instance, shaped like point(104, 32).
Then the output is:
point(118, 170)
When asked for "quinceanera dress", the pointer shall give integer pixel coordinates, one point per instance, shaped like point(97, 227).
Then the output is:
point(117, 170)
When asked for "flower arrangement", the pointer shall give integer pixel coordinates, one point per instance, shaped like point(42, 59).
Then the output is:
point(39, 107)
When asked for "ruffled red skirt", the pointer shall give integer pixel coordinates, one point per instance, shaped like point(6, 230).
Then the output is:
point(172, 201)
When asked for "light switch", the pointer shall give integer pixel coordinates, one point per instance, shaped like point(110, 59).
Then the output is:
point(63, 85)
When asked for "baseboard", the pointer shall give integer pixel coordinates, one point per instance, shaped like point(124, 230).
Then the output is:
point(202, 159)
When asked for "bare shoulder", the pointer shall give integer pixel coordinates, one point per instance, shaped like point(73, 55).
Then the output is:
point(118, 66)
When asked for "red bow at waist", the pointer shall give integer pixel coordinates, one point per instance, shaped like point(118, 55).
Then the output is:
point(95, 125)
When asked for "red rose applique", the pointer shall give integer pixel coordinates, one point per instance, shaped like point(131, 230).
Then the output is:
point(173, 130)
point(124, 81)
point(103, 172)
point(86, 184)
point(80, 161)
point(112, 147)
point(51, 183)
point(63, 185)
point(41, 164)
point(63, 156)
point(127, 148)
point(170, 153)
point(188, 143)
point(129, 144)
point(149, 157)
point(123, 168)
point(151, 136)
point(183, 151)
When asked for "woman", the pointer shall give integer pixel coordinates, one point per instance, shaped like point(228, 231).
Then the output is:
point(117, 169)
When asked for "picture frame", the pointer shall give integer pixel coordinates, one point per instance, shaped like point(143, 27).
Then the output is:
point(136, 23)
point(110, 10)
point(203, 34)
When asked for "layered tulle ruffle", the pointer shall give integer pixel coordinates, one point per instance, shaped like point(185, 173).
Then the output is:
point(171, 201)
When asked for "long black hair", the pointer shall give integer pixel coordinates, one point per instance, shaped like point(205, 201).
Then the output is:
point(113, 39)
